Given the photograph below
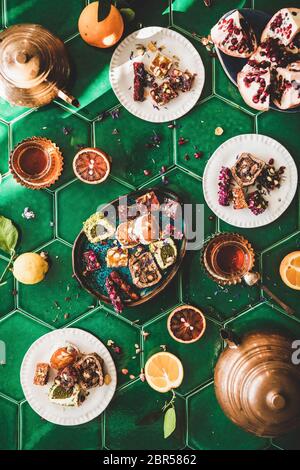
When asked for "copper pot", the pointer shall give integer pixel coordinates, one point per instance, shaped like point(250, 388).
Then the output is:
point(257, 385)
point(34, 67)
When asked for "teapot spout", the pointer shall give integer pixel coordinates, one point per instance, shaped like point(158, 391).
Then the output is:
point(231, 339)
point(68, 98)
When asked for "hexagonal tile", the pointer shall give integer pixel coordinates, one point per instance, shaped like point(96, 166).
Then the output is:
point(9, 416)
point(271, 261)
point(216, 301)
point(194, 16)
point(53, 16)
point(13, 200)
point(263, 237)
point(264, 317)
point(77, 201)
point(131, 155)
point(208, 348)
point(6, 291)
point(107, 326)
point(39, 434)
point(91, 82)
point(8, 112)
point(4, 147)
point(18, 332)
point(60, 298)
point(224, 87)
point(199, 128)
point(210, 429)
point(132, 404)
point(54, 123)
point(270, 123)
point(273, 6)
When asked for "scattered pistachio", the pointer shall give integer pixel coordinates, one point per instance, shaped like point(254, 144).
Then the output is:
point(110, 342)
point(163, 347)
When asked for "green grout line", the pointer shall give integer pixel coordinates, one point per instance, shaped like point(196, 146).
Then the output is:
point(71, 110)
point(120, 317)
point(202, 387)
point(23, 115)
point(171, 22)
point(122, 182)
point(72, 36)
point(81, 317)
point(93, 134)
point(275, 445)
point(20, 427)
point(235, 105)
point(36, 319)
point(280, 242)
point(8, 398)
point(64, 242)
point(174, 143)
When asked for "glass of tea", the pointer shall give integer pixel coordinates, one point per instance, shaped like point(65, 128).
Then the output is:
point(33, 161)
point(36, 162)
point(228, 257)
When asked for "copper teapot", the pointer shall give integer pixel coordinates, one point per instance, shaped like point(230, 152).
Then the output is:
point(34, 66)
point(257, 385)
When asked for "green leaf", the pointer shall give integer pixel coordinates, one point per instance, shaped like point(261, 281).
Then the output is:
point(8, 235)
point(128, 14)
point(169, 422)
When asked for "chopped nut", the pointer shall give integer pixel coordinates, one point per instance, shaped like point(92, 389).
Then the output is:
point(124, 371)
point(219, 131)
point(152, 46)
point(107, 379)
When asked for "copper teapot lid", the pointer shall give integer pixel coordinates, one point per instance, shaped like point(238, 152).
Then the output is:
point(257, 385)
point(33, 65)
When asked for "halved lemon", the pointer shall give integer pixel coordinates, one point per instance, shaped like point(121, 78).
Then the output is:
point(164, 371)
point(290, 270)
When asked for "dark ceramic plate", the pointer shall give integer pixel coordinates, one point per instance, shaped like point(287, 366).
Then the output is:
point(94, 282)
point(233, 65)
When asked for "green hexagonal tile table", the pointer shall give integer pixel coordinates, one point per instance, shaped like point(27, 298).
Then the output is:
point(28, 312)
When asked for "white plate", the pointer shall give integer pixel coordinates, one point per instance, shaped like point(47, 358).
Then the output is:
point(265, 148)
point(121, 73)
point(37, 396)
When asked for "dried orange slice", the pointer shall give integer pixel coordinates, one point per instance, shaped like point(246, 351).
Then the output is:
point(290, 270)
point(163, 371)
point(91, 165)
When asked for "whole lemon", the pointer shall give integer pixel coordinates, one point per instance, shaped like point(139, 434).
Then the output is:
point(30, 268)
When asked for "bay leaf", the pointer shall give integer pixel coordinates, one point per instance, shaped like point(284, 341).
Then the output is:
point(169, 422)
point(8, 235)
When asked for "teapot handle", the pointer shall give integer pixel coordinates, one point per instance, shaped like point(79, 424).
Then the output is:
point(68, 98)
